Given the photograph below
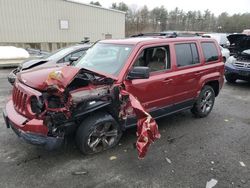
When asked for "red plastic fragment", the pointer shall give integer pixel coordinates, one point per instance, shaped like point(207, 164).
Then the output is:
point(147, 128)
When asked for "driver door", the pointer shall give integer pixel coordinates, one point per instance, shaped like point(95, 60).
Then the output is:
point(156, 92)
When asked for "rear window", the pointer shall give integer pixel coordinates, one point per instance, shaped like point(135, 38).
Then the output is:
point(210, 51)
point(186, 54)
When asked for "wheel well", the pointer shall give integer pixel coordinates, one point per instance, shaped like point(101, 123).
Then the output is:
point(224, 59)
point(215, 85)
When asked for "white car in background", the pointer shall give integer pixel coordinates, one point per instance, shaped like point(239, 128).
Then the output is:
point(221, 38)
point(225, 53)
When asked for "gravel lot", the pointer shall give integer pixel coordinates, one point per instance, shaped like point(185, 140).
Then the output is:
point(190, 152)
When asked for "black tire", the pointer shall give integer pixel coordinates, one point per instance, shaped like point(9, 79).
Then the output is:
point(230, 79)
point(205, 102)
point(98, 133)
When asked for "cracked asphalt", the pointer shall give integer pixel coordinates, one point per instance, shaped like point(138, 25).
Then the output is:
point(190, 152)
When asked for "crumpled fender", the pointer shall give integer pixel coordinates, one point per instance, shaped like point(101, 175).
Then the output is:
point(147, 128)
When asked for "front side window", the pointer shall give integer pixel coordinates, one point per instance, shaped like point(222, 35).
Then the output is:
point(186, 54)
point(210, 51)
point(156, 58)
point(105, 58)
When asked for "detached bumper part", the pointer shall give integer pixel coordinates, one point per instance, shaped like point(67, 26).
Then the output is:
point(32, 131)
point(49, 143)
point(5, 117)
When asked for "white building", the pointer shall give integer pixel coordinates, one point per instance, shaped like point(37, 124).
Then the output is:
point(51, 24)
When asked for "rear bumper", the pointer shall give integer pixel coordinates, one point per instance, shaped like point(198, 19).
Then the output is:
point(32, 131)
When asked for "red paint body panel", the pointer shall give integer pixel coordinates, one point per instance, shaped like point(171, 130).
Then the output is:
point(36, 78)
point(24, 124)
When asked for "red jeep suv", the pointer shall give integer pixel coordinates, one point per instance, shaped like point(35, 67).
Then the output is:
point(166, 75)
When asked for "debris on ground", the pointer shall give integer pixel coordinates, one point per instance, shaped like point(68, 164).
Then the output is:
point(168, 160)
point(112, 158)
point(80, 173)
point(29, 160)
point(226, 120)
point(211, 183)
point(171, 140)
point(242, 164)
point(243, 181)
point(212, 162)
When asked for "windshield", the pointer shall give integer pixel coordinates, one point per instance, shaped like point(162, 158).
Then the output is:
point(105, 58)
point(58, 54)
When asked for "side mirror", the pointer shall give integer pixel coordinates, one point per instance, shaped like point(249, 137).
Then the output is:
point(72, 59)
point(138, 73)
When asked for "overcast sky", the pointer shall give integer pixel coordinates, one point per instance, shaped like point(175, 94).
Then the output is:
point(215, 6)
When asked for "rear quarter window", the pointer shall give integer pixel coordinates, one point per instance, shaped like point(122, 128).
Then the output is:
point(186, 54)
point(210, 51)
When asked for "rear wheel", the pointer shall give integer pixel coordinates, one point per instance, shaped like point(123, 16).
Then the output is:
point(98, 133)
point(205, 102)
point(230, 79)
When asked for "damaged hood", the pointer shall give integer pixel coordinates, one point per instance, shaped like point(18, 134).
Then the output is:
point(37, 78)
point(59, 76)
point(239, 42)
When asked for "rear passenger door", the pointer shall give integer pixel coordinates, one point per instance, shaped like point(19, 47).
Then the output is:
point(187, 72)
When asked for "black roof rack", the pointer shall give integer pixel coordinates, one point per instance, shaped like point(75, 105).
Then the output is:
point(167, 34)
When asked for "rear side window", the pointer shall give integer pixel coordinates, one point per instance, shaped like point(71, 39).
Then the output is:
point(186, 54)
point(210, 51)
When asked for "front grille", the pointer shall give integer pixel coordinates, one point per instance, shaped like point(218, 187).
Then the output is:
point(242, 65)
point(19, 100)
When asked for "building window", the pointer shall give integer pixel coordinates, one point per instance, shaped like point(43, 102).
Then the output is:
point(64, 24)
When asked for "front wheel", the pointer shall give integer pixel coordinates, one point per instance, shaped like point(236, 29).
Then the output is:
point(97, 133)
point(205, 102)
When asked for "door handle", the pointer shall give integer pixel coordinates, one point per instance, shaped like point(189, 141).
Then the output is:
point(167, 80)
point(198, 73)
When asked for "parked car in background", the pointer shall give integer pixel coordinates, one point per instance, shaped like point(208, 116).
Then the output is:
point(61, 56)
point(220, 37)
point(225, 53)
point(37, 52)
point(166, 75)
point(246, 31)
point(238, 65)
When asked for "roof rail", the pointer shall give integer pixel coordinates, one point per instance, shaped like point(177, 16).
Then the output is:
point(167, 34)
point(160, 34)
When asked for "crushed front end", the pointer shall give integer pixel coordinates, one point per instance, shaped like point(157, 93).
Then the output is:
point(20, 115)
point(43, 111)
point(44, 115)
